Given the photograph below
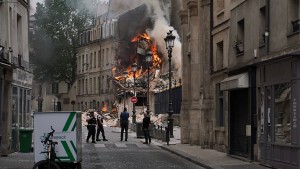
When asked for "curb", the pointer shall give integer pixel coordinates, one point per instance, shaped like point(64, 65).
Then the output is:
point(193, 159)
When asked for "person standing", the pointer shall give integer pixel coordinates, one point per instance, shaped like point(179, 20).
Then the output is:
point(100, 128)
point(146, 129)
point(124, 123)
point(91, 126)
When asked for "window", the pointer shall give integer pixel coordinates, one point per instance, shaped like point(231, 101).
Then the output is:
point(111, 55)
point(102, 58)
point(91, 87)
point(79, 87)
point(98, 84)
point(82, 63)
point(262, 25)
point(282, 113)
point(91, 60)
point(293, 13)
point(87, 61)
point(99, 58)
point(102, 87)
point(79, 64)
point(219, 55)
point(107, 83)
point(82, 86)
point(95, 59)
point(107, 56)
point(19, 34)
point(239, 39)
point(219, 106)
point(54, 88)
point(94, 91)
point(86, 87)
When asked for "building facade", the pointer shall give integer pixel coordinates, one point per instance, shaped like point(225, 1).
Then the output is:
point(95, 61)
point(249, 61)
point(15, 74)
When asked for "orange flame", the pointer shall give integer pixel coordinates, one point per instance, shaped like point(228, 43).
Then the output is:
point(148, 44)
point(104, 107)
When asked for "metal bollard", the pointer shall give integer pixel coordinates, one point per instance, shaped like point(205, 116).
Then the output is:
point(167, 135)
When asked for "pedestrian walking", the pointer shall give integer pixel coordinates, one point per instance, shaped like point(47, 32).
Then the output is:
point(146, 129)
point(124, 123)
point(91, 126)
point(100, 127)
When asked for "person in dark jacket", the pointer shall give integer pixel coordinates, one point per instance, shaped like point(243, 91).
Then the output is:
point(124, 123)
point(100, 127)
point(91, 126)
point(146, 128)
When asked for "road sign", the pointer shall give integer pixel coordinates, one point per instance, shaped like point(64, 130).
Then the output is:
point(134, 99)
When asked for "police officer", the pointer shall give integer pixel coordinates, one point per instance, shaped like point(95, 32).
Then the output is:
point(100, 127)
point(92, 123)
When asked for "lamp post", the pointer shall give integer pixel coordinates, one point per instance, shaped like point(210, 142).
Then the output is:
point(73, 103)
point(148, 60)
point(134, 67)
point(169, 40)
point(125, 75)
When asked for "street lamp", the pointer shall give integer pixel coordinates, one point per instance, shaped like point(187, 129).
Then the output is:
point(134, 67)
point(169, 39)
point(148, 61)
point(125, 75)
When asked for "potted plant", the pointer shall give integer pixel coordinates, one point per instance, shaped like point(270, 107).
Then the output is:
point(238, 46)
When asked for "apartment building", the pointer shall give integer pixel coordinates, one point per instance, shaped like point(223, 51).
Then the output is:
point(15, 74)
point(95, 61)
point(249, 60)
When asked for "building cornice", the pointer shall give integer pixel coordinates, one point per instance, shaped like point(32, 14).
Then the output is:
point(193, 8)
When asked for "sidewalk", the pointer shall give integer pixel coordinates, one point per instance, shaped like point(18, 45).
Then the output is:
point(206, 158)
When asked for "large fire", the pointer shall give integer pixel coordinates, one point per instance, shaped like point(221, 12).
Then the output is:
point(143, 43)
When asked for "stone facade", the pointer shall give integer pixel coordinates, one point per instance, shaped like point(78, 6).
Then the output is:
point(15, 74)
point(240, 78)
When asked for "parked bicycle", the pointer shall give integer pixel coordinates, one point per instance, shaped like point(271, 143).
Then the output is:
point(49, 162)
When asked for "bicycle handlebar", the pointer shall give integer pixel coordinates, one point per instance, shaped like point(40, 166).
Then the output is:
point(48, 136)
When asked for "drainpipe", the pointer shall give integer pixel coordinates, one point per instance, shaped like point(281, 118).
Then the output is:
point(267, 27)
point(211, 36)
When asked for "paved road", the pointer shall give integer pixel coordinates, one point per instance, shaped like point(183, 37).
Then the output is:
point(112, 154)
point(131, 154)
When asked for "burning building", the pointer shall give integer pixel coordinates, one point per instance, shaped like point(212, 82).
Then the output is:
point(121, 37)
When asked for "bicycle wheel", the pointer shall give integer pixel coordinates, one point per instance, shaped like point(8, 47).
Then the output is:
point(44, 164)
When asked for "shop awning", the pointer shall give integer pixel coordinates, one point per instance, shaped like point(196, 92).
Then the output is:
point(235, 82)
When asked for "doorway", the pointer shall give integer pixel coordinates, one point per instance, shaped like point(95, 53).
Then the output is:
point(239, 118)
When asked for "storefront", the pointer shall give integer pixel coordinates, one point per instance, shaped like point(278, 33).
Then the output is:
point(278, 97)
point(241, 112)
point(20, 104)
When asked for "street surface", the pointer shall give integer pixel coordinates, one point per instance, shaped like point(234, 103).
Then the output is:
point(112, 154)
point(131, 154)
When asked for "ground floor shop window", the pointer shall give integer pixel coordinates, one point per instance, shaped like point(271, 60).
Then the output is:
point(282, 113)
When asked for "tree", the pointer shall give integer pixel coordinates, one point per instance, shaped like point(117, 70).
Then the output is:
point(55, 40)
